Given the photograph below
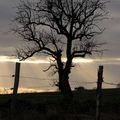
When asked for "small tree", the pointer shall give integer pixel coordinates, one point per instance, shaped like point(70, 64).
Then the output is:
point(60, 29)
point(80, 88)
point(118, 85)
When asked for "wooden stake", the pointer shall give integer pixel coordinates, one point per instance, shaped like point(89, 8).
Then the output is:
point(99, 91)
point(15, 88)
point(16, 82)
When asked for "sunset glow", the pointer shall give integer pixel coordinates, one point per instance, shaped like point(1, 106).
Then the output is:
point(39, 61)
point(82, 60)
point(33, 79)
point(13, 59)
point(24, 90)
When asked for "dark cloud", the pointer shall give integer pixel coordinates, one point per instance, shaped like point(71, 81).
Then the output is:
point(111, 35)
point(7, 9)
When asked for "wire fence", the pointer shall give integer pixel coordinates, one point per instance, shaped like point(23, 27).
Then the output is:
point(53, 79)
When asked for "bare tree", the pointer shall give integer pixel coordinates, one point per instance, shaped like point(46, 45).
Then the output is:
point(60, 29)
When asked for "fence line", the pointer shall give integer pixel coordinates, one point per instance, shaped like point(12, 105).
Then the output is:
point(47, 79)
point(110, 83)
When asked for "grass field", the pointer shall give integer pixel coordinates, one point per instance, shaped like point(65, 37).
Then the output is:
point(53, 106)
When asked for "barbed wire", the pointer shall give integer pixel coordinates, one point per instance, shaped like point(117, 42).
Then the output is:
point(110, 83)
point(47, 79)
point(82, 82)
point(94, 82)
point(28, 77)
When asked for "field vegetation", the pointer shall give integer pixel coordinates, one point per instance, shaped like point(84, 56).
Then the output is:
point(53, 106)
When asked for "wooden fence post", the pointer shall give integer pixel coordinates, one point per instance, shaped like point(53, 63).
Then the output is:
point(99, 91)
point(15, 88)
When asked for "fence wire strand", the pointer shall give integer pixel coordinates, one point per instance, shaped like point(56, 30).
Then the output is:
point(52, 79)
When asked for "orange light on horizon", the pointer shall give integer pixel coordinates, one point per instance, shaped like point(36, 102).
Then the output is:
point(13, 59)
point(81, 60)
point(25, 90)
point(40, 61)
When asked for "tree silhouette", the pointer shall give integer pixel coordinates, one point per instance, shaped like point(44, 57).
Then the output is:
point(60, 29)
point(118, 85)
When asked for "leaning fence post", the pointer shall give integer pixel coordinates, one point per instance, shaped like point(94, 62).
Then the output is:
point(15, 88)
point(99, 91)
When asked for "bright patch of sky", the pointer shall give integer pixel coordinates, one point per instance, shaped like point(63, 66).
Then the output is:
point(33, 77)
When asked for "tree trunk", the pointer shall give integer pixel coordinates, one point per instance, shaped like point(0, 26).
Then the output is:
point(63, 74)
point(64, 85)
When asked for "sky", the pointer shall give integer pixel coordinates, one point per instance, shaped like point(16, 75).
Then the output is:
point(85, 71)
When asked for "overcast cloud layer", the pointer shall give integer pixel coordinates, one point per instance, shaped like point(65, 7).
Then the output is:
point(8, 41)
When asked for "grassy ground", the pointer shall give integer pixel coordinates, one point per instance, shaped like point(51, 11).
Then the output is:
point(53, 106)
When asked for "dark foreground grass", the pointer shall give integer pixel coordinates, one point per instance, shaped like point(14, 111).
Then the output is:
point(53, 106)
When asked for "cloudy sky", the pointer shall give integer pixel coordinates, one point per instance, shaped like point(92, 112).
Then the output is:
point(84, 72)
